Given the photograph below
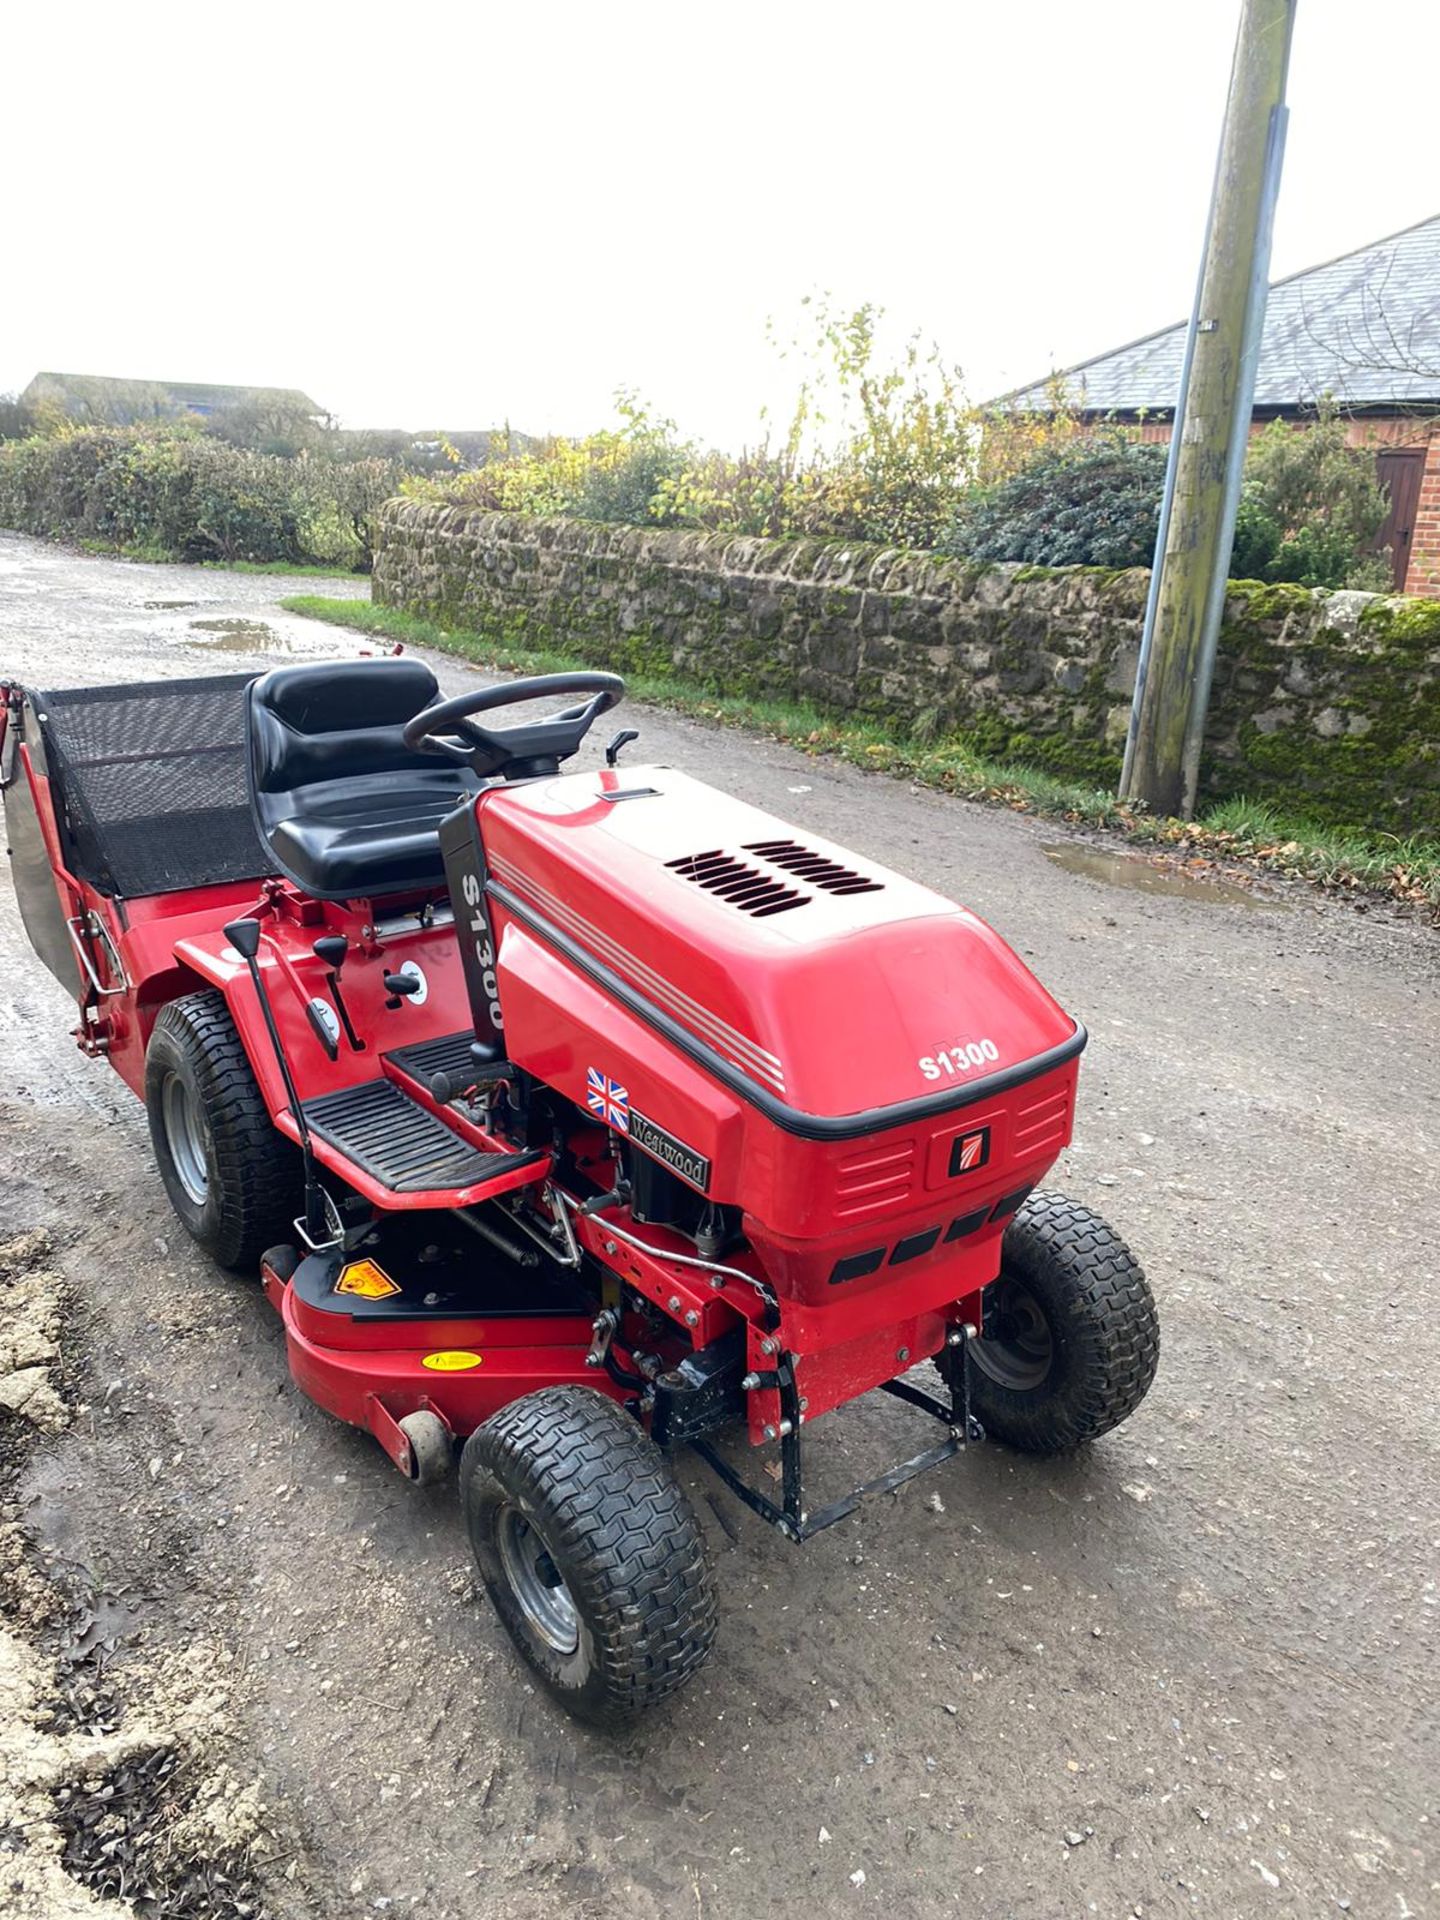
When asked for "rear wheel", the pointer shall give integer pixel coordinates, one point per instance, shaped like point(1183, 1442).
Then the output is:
point(232, 1179)
point(1071, 1337)
point(590, 1552)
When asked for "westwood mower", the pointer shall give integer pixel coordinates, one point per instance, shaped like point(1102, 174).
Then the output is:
point(570, 1119)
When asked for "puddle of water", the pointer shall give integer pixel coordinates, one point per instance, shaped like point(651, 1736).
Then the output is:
point(253, 636)
point(169, 606)
point(1129, 870)
point(241, 636)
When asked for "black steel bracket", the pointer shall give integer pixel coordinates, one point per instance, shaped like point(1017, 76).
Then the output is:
point(790, 1517)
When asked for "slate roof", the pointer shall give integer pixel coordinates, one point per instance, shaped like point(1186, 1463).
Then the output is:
point(1364, 328)
point(106, 395)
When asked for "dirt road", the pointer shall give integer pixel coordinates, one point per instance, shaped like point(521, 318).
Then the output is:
point(1194, 1672)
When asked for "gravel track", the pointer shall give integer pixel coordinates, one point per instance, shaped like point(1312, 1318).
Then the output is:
point(1193, 1672)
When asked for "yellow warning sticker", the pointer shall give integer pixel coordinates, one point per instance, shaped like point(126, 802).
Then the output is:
point(366, 1279)
point(454, 1360)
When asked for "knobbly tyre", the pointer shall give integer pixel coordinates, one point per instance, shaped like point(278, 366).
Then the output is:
point(569, 1119)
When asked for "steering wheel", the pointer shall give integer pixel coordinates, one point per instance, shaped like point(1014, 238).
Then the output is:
point(519, 753)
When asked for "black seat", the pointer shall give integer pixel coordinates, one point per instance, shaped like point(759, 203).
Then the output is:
point(346, 809)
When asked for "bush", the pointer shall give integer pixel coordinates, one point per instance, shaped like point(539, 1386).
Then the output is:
point(905, 456)
point(1092, 502)
point(627, 477)
point(16, 420)
point(873, 451)
point(759, 491)
point(177, 492)
point(1309, 508)
point(631, 487)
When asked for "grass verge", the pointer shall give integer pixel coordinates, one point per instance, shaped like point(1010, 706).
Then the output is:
point(161, 556)
point(297, 569)
point(1242, 830)
point(113, 550)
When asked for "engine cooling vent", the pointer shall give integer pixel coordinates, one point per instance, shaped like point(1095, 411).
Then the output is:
point(743, 886)
point(813, 868)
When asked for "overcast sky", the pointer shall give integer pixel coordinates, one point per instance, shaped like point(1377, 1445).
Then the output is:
point(444, 215)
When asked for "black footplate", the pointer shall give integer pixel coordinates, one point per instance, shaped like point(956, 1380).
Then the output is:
point(450, 1054)
point(400, 1143)
point(419, 1269)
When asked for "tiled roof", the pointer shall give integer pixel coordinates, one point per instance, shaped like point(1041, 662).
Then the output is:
point(1364, 328)
point(93, 388)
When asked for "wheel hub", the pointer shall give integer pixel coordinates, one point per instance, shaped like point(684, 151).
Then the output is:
point(187, 1137)
point(1016, 1348)
point(535, 1581)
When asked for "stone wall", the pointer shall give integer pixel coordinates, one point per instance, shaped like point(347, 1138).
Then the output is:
point(1326, 703)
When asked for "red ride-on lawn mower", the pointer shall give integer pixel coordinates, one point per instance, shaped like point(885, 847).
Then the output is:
point(572, 1117)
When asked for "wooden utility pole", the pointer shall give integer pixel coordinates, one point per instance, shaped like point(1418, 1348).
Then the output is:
point(1212, 426)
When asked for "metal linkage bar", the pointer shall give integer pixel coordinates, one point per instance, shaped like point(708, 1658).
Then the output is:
point(92, 927)
point(883, 1483)
point(790, 1518)
point(957, 1415)
point(752, 1497)
point(792, 1484)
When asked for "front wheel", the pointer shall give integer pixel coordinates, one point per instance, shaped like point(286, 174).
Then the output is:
point(1071, 1338)
point(232, 1178)
point(589, 1550)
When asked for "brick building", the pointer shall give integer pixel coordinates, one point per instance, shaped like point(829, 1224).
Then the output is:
point(1363, 329)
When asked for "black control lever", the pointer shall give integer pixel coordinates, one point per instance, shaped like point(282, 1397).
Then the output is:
point(332, 948)
point(445, 1087)
point(398, 984)
point(611, 1197)
point(619, 743)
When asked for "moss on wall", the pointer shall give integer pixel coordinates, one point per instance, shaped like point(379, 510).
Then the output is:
point(1340, 714)
point(1326, 703)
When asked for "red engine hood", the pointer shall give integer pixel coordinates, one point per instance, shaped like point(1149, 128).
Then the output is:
point(831, 983)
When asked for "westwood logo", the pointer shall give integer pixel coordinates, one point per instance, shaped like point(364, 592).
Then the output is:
point(970, 1151)
point(607, 1100)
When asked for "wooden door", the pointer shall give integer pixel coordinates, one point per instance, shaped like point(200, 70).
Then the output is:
point(1399, 471)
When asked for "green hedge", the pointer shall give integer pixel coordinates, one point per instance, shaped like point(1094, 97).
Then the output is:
point(178, 493)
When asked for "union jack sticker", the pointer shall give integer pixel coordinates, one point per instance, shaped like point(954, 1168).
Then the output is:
point(970, 1151)
point(607, 1100)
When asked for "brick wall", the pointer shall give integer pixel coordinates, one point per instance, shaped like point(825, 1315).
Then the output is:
point(1424, 575)
point(1422, 579)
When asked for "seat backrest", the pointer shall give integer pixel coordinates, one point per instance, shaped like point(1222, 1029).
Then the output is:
point(337, 720)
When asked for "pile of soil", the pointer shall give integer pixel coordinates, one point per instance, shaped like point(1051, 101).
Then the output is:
point(119, 1788)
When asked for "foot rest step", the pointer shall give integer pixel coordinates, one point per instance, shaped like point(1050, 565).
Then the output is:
point(400, 1143)
point(449, 1054)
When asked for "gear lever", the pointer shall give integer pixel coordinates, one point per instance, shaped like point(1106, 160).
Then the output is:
point(332, 948)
